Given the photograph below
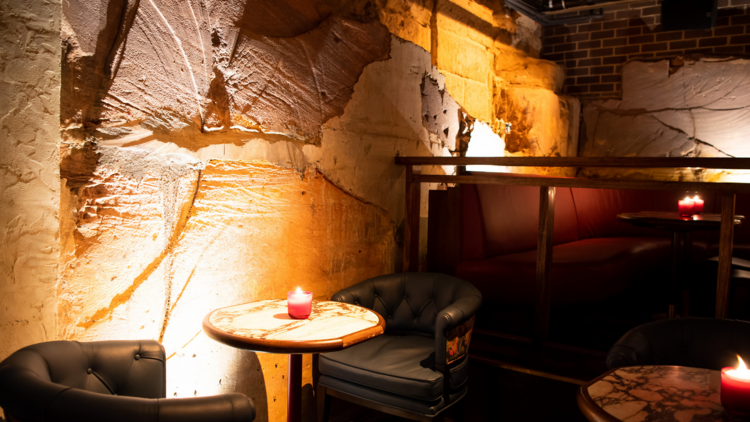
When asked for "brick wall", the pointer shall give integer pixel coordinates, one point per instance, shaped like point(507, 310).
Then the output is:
point(593, 53)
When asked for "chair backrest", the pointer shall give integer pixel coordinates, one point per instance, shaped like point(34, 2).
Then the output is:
point(409, 302)
point(696, 342)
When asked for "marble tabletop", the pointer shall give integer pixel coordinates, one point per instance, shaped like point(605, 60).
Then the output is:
point(265, 326)
point(655, 393)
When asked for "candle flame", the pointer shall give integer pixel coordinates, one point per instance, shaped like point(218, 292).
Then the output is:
point(742, 367)
point(687, 198)
point(299, 291)
point(741, 372)
point(696, 198)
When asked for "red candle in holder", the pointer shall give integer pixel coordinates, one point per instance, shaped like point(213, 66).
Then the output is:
point(685, 207)
point(697, 205)
point(735, 389)
point(299, 304)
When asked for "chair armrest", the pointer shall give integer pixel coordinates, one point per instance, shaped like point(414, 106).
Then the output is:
point(455, 315)
point(85, 406)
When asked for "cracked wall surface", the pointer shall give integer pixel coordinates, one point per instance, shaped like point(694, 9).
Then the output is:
point(217, 152)
point(680, 108)
point(29, 177)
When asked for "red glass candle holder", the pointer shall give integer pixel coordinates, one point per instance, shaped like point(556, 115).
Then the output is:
point(685, 207)
point(299, 304)
point(697, 205)
point(735, 393)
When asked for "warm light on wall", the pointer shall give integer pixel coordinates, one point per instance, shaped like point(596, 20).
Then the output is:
point(485, 143)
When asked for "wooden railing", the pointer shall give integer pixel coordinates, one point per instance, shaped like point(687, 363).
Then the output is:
point(547, 185)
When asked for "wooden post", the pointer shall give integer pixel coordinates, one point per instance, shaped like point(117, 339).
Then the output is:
point(411, 221)
point(726, 239)
point(544, 263)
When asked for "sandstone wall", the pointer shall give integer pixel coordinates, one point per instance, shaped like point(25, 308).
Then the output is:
point(219, 152)
point(679, 108)
point(29, 176)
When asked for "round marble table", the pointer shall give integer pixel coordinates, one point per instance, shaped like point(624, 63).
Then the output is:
point(654, 394)
point(265, 326)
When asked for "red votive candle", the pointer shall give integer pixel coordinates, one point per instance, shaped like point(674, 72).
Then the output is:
point(299, 303)
point(685, 207)
point(697, 205)
point(735, 389)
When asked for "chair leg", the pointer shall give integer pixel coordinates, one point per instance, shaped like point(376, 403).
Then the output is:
point(324, 404)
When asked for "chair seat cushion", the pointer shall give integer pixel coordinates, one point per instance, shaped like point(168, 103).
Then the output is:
point(583, 271)
point(396, 364)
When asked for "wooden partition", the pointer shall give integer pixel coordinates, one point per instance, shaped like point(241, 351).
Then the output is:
point(547, 185)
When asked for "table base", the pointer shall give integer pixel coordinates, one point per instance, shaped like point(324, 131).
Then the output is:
point(294, 398)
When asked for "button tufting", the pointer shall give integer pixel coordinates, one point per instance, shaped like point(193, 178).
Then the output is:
point(88, 371)
point(137, 357)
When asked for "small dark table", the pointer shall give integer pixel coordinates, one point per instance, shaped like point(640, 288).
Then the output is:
point(682, 241)
point(654, 394)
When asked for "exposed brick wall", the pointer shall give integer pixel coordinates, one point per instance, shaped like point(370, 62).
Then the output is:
point(593, 53)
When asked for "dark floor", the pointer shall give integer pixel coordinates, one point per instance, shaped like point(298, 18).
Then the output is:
point(495, 394)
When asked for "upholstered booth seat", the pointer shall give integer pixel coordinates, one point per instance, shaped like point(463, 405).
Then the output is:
point(696, 342)
point(611, 265)
point(409, 370)
point(103, 381)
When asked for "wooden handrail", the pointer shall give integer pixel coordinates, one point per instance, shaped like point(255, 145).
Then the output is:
point(547, 184)
point(625, 162)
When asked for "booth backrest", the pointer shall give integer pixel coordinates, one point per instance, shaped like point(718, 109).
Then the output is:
point(502, 219)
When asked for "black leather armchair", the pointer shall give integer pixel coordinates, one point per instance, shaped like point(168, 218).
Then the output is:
point(114, 381)
point(419, 366)
point(696, 342)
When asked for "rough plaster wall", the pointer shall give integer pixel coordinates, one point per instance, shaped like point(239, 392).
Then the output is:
point(683, 108)
point(29, 180)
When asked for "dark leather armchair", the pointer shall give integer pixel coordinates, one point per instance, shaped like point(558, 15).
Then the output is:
point(114, 381)
point(696, 342)
point(419, 366)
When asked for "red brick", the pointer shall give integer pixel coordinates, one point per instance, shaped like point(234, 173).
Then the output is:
point(581, 54)
point(602, 70)
point(729, 30)
point(565, 30)
point(641, 56)
point(561, 48)
point(740, 2)
point(642, 4)
point(577, 37)
point(615, 24)
point(670, 53)
point(651, 11)
point(628, 50)
point(700, 51)
point(669, 36)
point(614, 60)
point(587, 80)
point(628, 14)
point(578, 72)
point(554, 40)
point(554, 57)
point(615, 7)
point(602, 88)
point(601, 52)
point(723, 3)
point(615, 42)
point(589, 44)
point(548, 31)
point(611, 78)
point(652, 29)
point(679, 45)
point(712, 42)
point(641, 39)
point(730, 12)
point(576, 89)
point(732, 49)
point(648, 20)
point(659, 46)
point(698, 33)
point(569, 81)
point(569, 64)
point(722, 22)
point(589, 62)
point(590, 27)
point(598, 35)
point(626, 32)
point(740, 39)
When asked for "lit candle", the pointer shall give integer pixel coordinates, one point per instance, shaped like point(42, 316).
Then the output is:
point(299, 304)
point(697, 205)
point(735, 389)
point(686, 207)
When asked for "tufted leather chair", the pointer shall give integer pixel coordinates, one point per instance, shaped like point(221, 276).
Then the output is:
point(114, 381)
point(406, 371)
point(696, 342)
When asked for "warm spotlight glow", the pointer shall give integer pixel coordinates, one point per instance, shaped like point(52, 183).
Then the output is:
point(485, 143)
